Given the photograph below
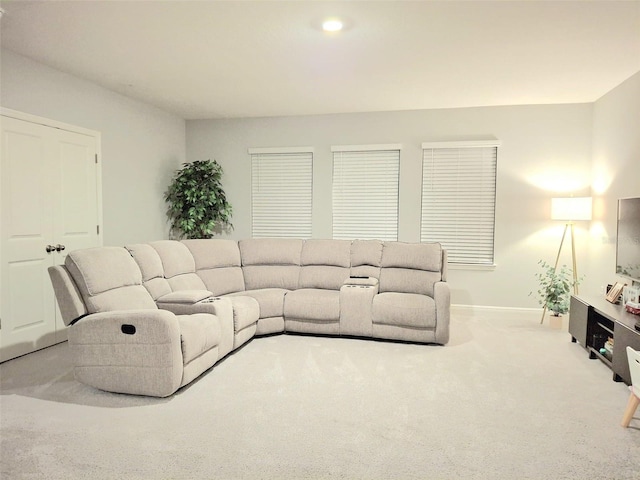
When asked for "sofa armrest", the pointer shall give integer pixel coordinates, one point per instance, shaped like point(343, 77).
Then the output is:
point(72, 308)
point(128, 351)
point(442, 297)
point(219, 306)
point(356, 301)
point(364, 281)
point(185, 296)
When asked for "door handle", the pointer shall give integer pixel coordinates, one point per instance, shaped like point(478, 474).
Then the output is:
point(59, 247)
point(50, 248)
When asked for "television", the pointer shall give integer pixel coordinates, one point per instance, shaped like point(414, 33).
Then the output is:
point(628, 240)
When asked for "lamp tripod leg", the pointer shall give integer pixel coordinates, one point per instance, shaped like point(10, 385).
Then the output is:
point(544, 310)
point(573, 258)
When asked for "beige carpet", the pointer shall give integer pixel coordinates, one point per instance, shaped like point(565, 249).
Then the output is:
point(506, 399)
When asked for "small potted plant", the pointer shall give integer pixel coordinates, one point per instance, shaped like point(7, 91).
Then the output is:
point(555, 287)
point(198, 207)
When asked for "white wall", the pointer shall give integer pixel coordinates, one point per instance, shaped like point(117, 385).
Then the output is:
point(141, 145)
point(544, 149)
point(616, 174)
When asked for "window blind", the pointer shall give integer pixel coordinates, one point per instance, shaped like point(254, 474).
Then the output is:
point(281, 193)
point(365, 194)
point(458, 201)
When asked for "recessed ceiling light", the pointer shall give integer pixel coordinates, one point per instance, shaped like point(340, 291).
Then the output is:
point(332, 25)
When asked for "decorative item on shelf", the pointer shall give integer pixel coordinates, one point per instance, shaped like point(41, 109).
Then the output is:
point(631, 299)
point(613, 294)
point(630, 294)
point(607, 349)
point(632, 307)
point(608, 346)
point(198, 206)
point(554, 289)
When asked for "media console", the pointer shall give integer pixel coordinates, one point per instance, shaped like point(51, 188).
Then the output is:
point(593, 321)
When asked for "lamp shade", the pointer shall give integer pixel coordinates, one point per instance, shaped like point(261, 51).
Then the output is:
point(571, 208)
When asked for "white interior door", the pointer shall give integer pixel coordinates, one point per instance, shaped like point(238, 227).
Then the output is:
point(28, 319)
point(50, 205)
point(75, 216)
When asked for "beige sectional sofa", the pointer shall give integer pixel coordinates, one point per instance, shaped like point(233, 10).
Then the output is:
point(148, 319)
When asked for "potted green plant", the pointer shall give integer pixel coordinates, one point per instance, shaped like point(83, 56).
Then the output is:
point(555, 287)
point(198, 206)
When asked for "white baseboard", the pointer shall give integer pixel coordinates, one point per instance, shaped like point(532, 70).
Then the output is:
point(487, 309)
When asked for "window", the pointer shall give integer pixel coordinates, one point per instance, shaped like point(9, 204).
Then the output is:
point(459, 198)
point(281, 192)
point(365, 191)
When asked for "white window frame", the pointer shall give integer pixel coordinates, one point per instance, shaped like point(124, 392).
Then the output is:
point(365, 200)
point(458, 200)
point(281, 192)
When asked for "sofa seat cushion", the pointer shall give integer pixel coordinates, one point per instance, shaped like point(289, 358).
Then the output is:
point(246, 311)
point(404, 309)
point(270, 300)
point(199, 333)
point(312, 304)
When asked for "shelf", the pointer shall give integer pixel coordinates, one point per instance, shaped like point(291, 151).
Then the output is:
point(606, 328)
point(593, 353)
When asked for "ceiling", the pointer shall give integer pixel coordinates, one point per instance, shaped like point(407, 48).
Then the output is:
point(224, 59)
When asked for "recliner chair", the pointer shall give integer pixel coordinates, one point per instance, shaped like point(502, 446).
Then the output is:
point(120, 340)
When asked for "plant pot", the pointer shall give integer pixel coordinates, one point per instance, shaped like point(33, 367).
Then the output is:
point(556, 321)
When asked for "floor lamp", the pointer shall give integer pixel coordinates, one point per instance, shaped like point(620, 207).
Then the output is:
point(569, 209)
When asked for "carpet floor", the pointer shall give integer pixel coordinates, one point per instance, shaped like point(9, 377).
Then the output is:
point(506, 399)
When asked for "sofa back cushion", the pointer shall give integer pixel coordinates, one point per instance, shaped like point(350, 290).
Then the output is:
point(366, 258)
point(410, 267)
point(108, 279)
point(151, 268)
point(178, 265)
point(217, 263)
point(270, 262)
point(325, 264)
